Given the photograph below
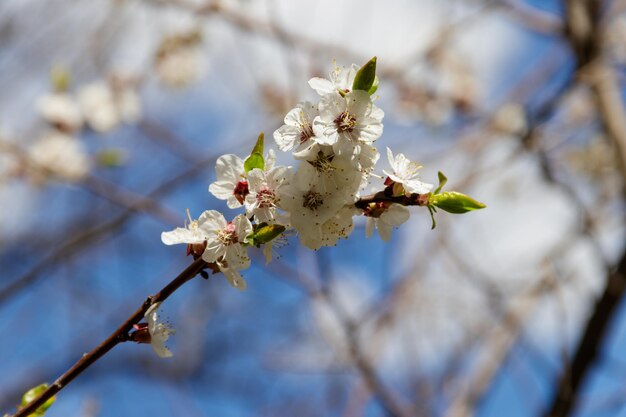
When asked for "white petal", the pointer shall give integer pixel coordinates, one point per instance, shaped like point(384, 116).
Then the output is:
point(182, 235)
point(417, 186)
point(242, 226)
point(321, 85)
point(384, 230)
point(391, 160)
point(256, 180)
point(229, 168)
point(395, 215)
point(234, 278)
point(358, 103)
point(212, 220)
point(222, 189)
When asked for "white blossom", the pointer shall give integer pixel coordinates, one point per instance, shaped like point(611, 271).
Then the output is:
point(297, 132)
point(309, 208)
point(60, 110)
point(338, 226)
point(104, 107)
point(180, 67)
point(341, 80)
point(225, 242)
point(329, 172)
point(159, 332)
point(384, 217)
point(60, 155)
point(264, 188)
point(406, 173)
point(231, 184)
point(348, 123)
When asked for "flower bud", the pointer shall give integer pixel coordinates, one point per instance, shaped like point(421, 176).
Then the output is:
point(455, 202)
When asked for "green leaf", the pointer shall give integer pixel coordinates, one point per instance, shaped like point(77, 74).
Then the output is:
point(111, 158)
point(374, 86)
point(455, 202)
point(60, 79)
point(442, 181)
point(255, 160)
point(365, 77)
point(33, 393)
point(266, 233)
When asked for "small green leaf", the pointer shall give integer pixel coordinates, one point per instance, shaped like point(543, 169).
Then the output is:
point(374, 86)
point(33, 393)
point(266, 233)
point(258, 146)
point(255, 160)
point(442, 181)
point(365, 76)
point(111, 158)
point(60, 79)
point(455, 202)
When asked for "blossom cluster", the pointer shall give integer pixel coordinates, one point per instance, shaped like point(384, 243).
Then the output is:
point(333, 141)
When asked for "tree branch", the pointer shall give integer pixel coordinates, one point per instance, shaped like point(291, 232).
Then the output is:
point(118, 336)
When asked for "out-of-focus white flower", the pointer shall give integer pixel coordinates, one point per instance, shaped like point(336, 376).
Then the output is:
point(384, 216)
point(297, 132)
point(159, 332)
point(264, 188)
point(105, 107)
point(60, 110)
point(341, 80)
point(510, 119)
point(180, 67)
point(60, 155)
point(406, 173)
point(347, 123)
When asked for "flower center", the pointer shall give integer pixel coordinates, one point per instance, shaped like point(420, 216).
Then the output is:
point(241, 191)
point(228, 236)
point(312, 200)
point(266, 198)
point(323, 163)
point(376, 209)
point(306, 130)
point(345, 122)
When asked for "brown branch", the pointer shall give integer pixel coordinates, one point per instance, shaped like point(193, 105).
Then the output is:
point(118, 336)
point(386, 197)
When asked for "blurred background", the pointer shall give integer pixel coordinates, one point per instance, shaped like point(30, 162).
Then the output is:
point(112, 113)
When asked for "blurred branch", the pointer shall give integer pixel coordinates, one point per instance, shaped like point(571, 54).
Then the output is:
point(498, 344)
point(76, 244)
point(585, 36)
point(109, 191)
point(361, 363)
